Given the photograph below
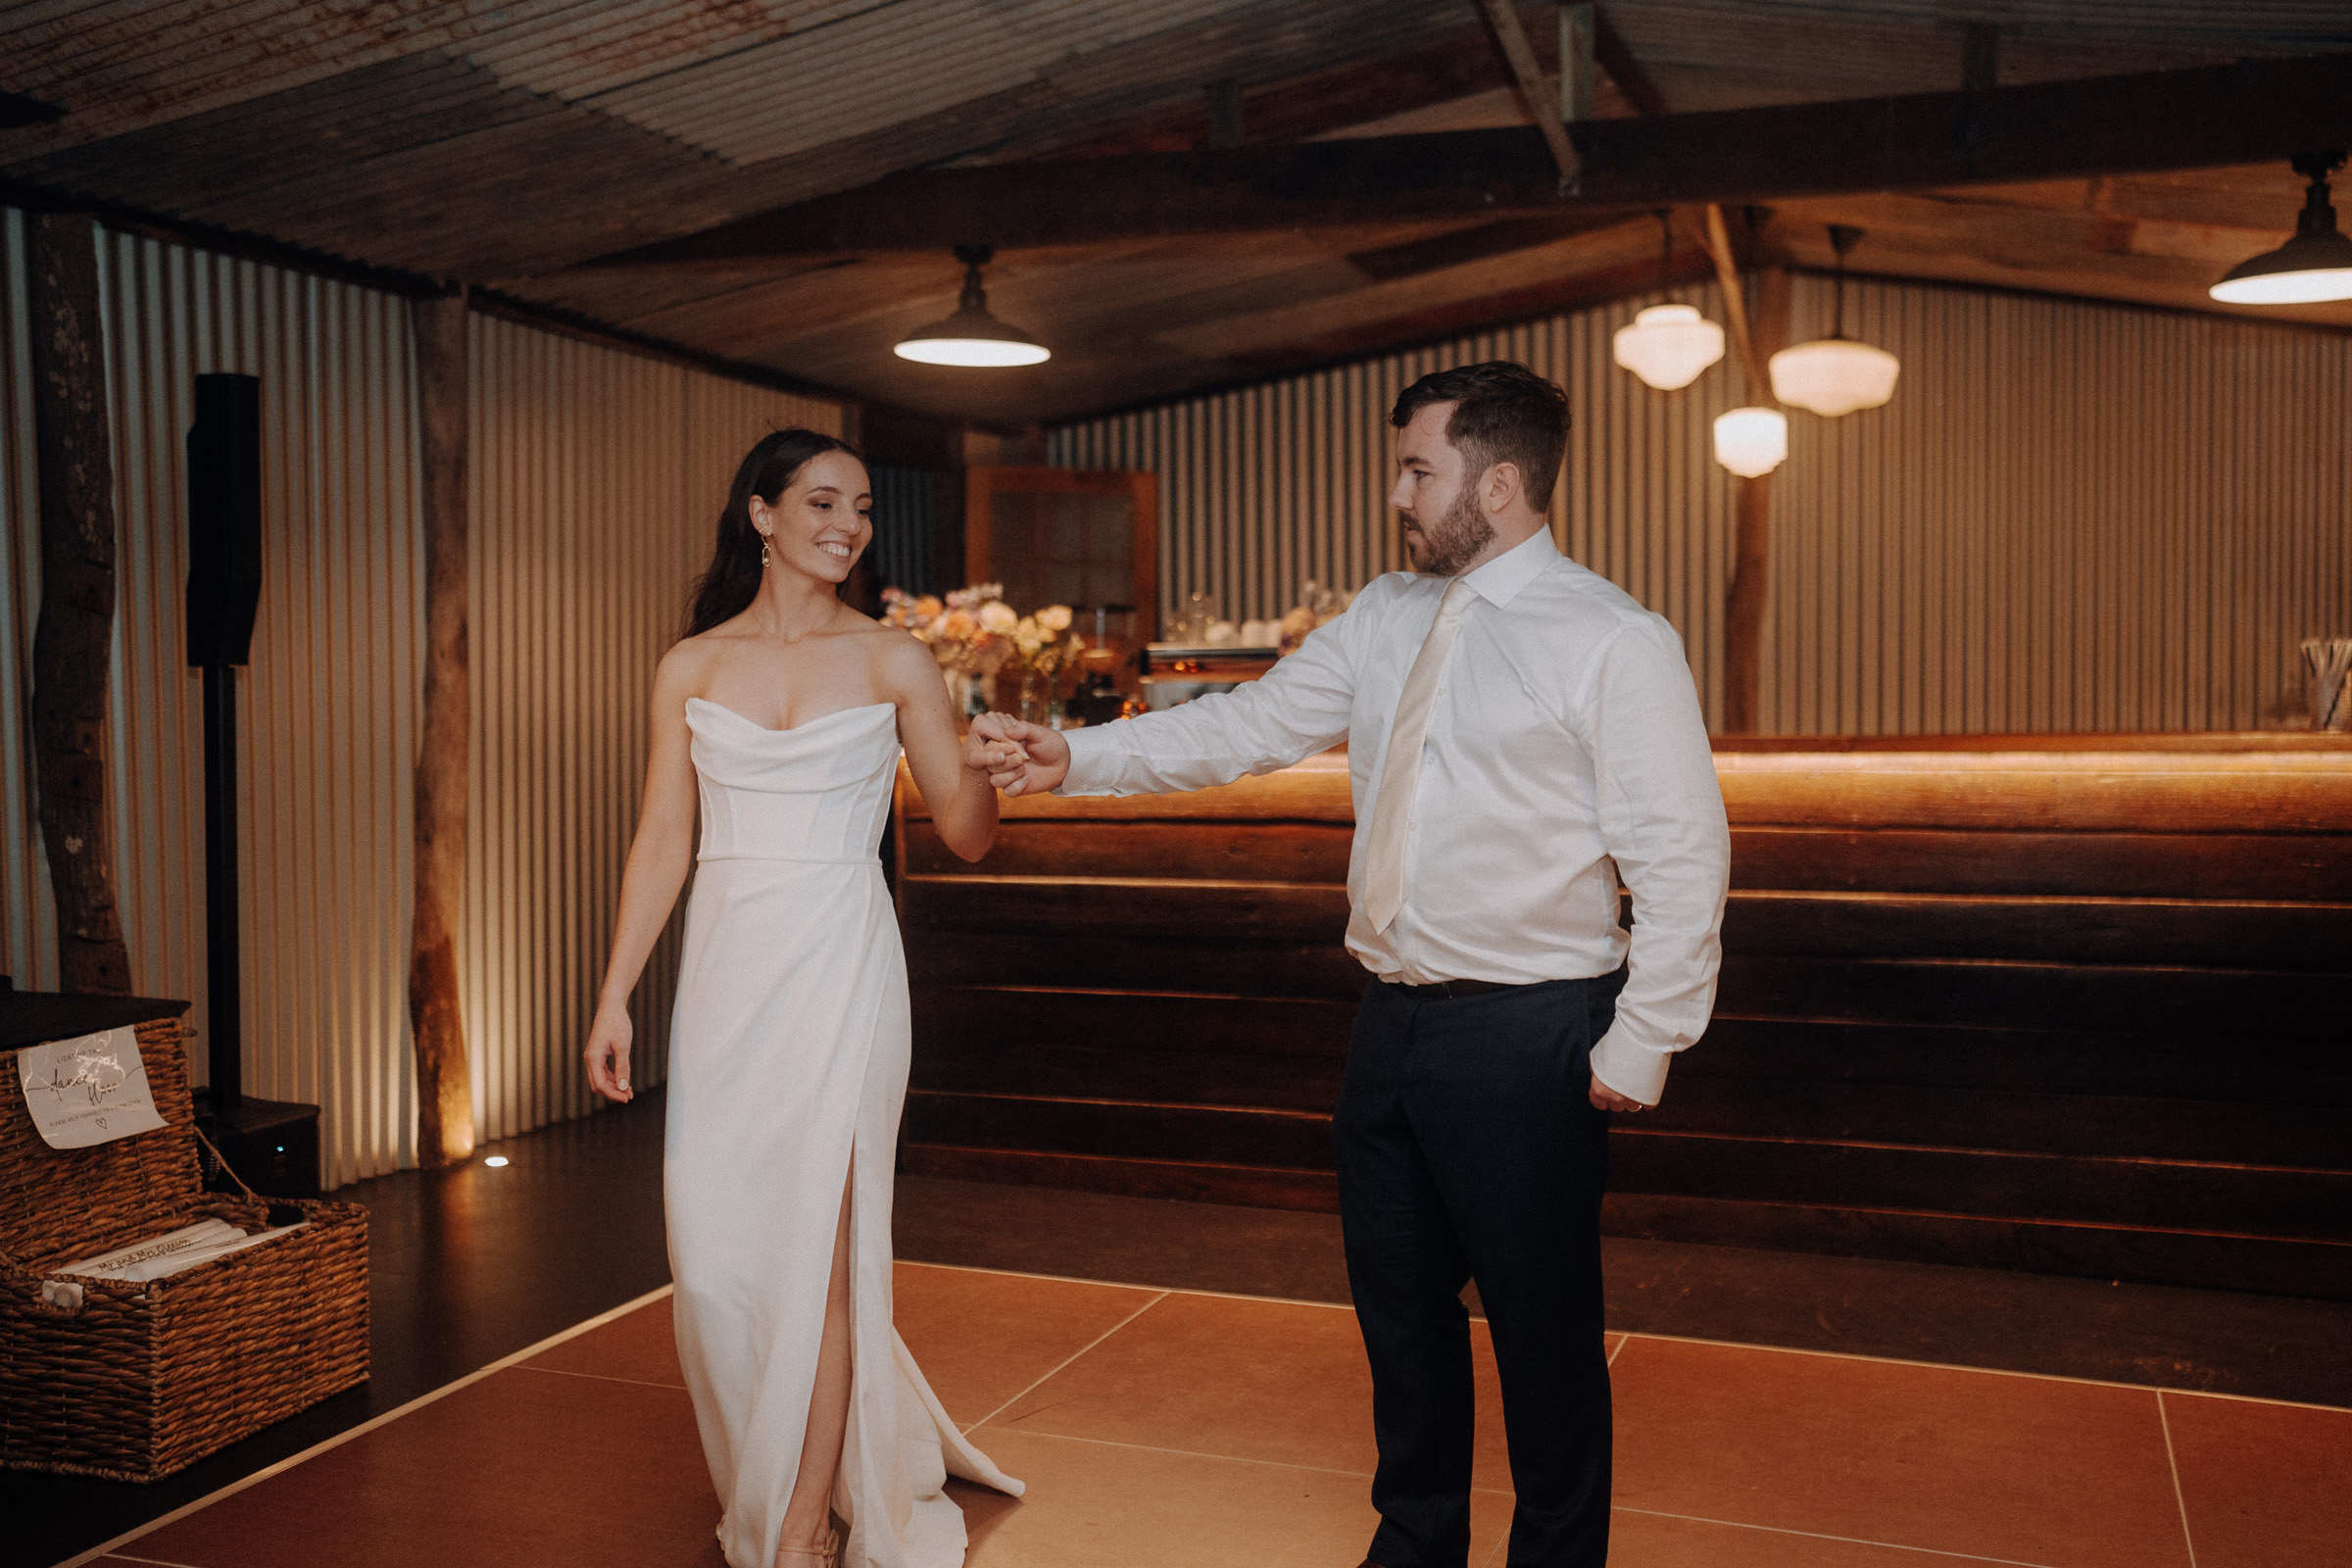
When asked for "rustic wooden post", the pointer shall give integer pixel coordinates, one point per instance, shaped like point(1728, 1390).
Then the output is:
point(73, 641)
point(444, 1085)
point(1743, 620)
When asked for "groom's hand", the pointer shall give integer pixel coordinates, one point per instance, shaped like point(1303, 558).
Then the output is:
point(982, 754)
point(1604, 1098)
point(1045, 757)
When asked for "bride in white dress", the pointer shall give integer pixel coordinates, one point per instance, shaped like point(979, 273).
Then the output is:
point(782, 714)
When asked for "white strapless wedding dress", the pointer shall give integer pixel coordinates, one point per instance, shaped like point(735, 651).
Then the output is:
point(787, 1070)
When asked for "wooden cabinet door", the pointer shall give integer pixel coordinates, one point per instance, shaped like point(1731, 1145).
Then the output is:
point(1080, 537)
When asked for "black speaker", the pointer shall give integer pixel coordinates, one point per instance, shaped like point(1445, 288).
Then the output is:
point(225, 519)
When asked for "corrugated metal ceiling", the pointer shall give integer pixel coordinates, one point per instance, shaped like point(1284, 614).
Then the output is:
point(755, 80)
point(504, 141)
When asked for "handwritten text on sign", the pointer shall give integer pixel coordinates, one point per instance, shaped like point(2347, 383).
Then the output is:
point(88, 1091)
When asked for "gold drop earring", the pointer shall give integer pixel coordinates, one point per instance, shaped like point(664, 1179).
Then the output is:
point(763, 538)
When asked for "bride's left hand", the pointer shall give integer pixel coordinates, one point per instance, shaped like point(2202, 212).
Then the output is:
point(608, 1054)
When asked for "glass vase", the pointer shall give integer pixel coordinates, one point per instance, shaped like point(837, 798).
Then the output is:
point(1037, 694)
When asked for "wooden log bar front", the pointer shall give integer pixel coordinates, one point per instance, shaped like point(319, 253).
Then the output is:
point(2074, 1004)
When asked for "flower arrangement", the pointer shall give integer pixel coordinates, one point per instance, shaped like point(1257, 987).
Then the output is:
point(969, 631)
point(1038, 645)
point(973, 633)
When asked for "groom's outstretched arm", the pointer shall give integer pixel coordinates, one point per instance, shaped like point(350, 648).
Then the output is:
point(1298, 708)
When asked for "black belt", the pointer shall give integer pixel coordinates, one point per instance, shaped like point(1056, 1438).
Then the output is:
point(1450, 989)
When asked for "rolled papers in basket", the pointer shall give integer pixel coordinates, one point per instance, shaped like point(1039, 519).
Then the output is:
point(157, 1258)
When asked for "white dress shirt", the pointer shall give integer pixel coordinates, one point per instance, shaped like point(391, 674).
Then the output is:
point(1566, 749)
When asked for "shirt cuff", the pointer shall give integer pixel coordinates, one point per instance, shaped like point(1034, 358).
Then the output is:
point(1094, 766)
point(1634, 1070)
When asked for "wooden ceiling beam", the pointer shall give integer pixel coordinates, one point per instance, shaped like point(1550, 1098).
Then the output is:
point(1610, 50)
point(1387, 180)
point(2150, 121)
point(1519, 55)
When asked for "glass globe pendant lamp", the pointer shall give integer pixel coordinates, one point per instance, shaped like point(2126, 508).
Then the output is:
point(1834, 374)
point(2313, 267)
point(1668, 345)
point(972, 336)
point(1751, 442)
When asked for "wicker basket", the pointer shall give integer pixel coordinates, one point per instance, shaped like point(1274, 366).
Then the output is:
point(151, 1376)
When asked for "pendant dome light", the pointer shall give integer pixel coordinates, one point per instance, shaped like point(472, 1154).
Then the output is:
point(1751, 442)
point(1668, 345)
point(1834, 374)
point(2315, 266)
point(972, 336)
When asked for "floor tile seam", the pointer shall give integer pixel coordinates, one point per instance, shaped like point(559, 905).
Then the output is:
point(1230, 1458)
point(1623, 1340)
point(1126, 1285)
point(1067, 1362)
point(2172, 1463)
point(155, 1562)
point(1672, 1338)
point(431, 1395)
point(1820, 1535)
point(1987, 1371)
point(602, 1377)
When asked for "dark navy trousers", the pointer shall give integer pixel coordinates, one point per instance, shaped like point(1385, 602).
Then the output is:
point(1468, 1149)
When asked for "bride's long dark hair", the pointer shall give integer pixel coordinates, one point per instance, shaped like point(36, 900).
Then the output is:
point(728, 588)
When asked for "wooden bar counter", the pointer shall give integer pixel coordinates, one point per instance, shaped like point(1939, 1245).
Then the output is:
point(2075, 1004)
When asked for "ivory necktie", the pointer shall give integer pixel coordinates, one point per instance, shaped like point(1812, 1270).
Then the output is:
point(1400, 768)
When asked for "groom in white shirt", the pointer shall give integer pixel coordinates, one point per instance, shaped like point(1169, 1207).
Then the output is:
point(1521, 735)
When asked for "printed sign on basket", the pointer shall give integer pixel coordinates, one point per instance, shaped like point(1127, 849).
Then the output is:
point(91, 1090)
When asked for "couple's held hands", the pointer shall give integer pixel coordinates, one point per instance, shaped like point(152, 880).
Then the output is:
point(986, 755)
point(1030, 760)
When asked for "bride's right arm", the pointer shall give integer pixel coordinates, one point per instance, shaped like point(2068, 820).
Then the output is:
point(657, 869)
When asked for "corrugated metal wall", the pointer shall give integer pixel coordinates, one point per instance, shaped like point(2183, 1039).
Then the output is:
point(905, 515)
point(597, 479)
point(326, 706)
point(2071, 517)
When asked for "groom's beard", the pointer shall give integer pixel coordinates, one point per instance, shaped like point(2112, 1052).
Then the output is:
point(1454, 540)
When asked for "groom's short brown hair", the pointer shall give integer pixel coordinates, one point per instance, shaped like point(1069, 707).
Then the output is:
point(1503, 412)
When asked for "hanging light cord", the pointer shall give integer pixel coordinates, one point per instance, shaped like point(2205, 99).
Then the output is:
point(2319, 214)
point(973, 257)
point(1666, 254)
point(1842, 238)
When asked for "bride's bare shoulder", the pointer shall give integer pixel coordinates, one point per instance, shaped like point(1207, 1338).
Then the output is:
point(689, 661)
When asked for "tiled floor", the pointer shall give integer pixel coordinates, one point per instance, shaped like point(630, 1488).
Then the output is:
point(1171, 1429)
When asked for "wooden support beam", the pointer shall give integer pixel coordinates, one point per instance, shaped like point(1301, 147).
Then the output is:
point(1718, 242)
point(1082, 201)
point(1578, 25)
point(73, 639)
point(444, 1083)
point(2203, 116)
point(1610, 51)
point(2198, 117)
point(1743, 620)
point(1519, 55)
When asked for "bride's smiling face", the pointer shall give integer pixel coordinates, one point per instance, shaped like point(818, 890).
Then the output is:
point(823, 521)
